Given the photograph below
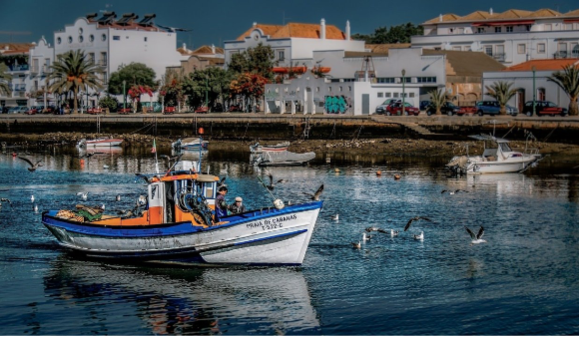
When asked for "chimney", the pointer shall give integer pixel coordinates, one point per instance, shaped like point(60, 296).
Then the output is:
point(255, 24)
point(348, 30)
point(213, 49)
point(184, 46)
point(322, 29)
point(491, 11)
point(440, 17)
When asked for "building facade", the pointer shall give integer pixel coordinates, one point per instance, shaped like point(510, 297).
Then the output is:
point(526, 81)
point(15, 56)
point(511, 37)
point(357, 82)
point(294, 43)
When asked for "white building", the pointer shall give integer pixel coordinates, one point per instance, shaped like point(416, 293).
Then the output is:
point(40, 58)
point(523, 80)
point(15, 55)
point(511, 37)
point(111, 43)
point(357, 82)
point(294, 43)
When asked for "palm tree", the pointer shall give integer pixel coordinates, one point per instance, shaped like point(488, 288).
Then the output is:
point(73, 71)
point(5, 79)
point(568, 80)
point(502, 92)
point(437, 99)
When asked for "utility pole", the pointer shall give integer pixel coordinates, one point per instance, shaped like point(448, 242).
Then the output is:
point(403, 92)
point(534, 91)
point(124, 95)
point(206, 92)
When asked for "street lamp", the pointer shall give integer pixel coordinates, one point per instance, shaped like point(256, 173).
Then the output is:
point(206, 92)
point(534, 90)
point(124, 95)
point(403, 95)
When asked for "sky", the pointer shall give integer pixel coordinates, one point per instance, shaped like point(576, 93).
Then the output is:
point(212, 22)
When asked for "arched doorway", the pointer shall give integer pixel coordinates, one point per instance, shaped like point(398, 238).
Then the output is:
point(541, 94)
point(520, 99)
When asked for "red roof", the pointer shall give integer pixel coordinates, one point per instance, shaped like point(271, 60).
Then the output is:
point(543, 65)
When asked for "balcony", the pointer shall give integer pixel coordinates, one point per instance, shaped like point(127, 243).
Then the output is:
point(500, 57)
point(15, 68)
point(561, 55)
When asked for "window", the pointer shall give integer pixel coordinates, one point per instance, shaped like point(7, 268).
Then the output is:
point(80, 38)
point(340, 89)
point(104, 37)
point(541, 48)
point(411, 94)
point(568, 26)
point(406, 79)
point(116, 37)
point(380, 94)
point(451, 30)
point(562, 47)
point(70, 39)
point(281, 55)
point(460, 31)
point(522, 48)
point(317, 89)
point(488, 50)
point(541, 94)
point(91, 57)
point(395, 95)
point(80, 31)
point(500, 50)
point(498, 29)
point(349, 88)
point(386, 80)
point(480, 30)
point(548, 27)
point(105, 78)
point(458, 48)
point(91, 38)
point(509, 29)
point(58, 40)
point(145, 39)
point(528, 28)
point(574, 47)
point(426, 79)
point(330, 89)
point(103, 59)
point(388, 94)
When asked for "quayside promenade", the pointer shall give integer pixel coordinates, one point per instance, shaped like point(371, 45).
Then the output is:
point(246, 126)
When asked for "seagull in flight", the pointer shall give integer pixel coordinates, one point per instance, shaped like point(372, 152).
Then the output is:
point(415, 219)
point(33, 166)
point(83, 195)
point(316, 196)
point(5, 200)
point(271, 185)
point(376, 229)
point(476, 238)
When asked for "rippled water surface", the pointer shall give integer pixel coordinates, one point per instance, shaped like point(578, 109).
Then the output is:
point(524, 280)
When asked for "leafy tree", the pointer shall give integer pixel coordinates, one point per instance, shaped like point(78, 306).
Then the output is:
point(502, 92)
point(171, 91)
point(215, 81)
point(568, 80)
point(133, 74)
point(250, 86)
point(437, 99)
point(259, 60)
point(73, 71)
point(5, 79)
point(109, 102)
point(396, 34)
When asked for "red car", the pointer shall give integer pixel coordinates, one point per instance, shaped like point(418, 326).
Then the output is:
point(543, 108)
point(466, 110)
point(125, 110)
point(94, 111)
point(395, 108)
point(202, 109)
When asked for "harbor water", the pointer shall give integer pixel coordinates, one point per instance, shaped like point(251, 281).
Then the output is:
point(523, 280)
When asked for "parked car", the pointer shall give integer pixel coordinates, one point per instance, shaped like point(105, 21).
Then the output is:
point(202, 109)
point(22, 109)
point(234, 108)
point(14, 110)
point(447, 108)
point(380, 109)
point(5, 109)
point(543, 108)
point(424, 105)
point(396, 109)
point(49, 110)
point(493, 108)
point(35, 110)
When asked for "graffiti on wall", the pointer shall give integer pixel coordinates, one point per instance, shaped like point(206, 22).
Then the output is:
point(337, 104)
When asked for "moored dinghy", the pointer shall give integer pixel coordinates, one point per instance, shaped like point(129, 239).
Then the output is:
point(175, 224)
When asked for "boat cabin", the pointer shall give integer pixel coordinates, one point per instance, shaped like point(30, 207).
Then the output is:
point(499, 150)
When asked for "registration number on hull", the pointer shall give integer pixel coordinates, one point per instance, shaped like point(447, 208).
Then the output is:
point(268, 224)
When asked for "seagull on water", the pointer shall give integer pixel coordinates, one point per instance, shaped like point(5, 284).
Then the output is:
point(453, 192)
point(316, 196)
point(32, 198)
point(419, 236)
point(105, 166)
point(5, 200)
point(118, 198)
point(336, 217)
point(393, 233)
point(376, 229)
point(476, 238)
point(83, 195)
point(33, 166)
point(356, 245)
point(35, 208)
point(415, 219)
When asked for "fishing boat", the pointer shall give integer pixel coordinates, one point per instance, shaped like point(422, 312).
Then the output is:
point(190, 144)
point(497, 157)
point(175, 223)
point(258, 148)
point(100, 142)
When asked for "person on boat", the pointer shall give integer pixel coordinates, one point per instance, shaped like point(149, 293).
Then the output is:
point(220, 204)
point(237, 207)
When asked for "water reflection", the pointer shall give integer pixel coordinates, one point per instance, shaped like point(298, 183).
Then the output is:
point(194, 301)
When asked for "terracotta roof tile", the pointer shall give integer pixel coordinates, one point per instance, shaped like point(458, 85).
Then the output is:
point(383, 48)
point(15, 48)
point(544, 13)
point(207, 50)
point(574, 13)
point(543, 65)
point(267, 30)
point(445, 18)
point(467, 63)
point(300, 30)
point(512, 14)
point(478, 15)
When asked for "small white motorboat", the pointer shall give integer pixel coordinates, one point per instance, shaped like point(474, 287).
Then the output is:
point(499, 158)
point(258, 148)
point(190, 144)
point(99, 142)
point(282, 158)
